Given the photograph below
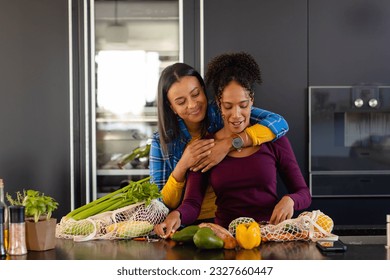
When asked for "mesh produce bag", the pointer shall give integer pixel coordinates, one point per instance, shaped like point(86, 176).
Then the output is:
point(313, 226)
point(124, 223)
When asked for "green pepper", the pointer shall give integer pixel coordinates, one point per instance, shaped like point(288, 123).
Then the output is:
point(186, 234)
point(205, 238)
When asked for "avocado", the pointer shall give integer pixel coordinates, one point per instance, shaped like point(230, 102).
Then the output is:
point(205, 238)
point(186, 234)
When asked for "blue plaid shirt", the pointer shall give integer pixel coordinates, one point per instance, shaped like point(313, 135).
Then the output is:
point(161, 165)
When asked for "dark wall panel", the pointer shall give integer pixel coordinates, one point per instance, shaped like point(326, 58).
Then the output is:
point(302, 43)
point(275, 33)
point(349, 42)
point(34, 92)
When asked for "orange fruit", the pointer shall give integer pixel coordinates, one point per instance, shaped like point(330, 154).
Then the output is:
point(325, 222)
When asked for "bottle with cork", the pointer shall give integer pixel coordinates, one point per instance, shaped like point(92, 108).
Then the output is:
point(388, 231)
point(3, 252)
point(5, 213)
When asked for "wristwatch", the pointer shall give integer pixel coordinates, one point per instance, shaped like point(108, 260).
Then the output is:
point(238, 143)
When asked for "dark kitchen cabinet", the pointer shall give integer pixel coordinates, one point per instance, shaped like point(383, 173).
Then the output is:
point(35, 107)
point(307, 43)
point(348, 46)
point(349, 42)
point(274, 32)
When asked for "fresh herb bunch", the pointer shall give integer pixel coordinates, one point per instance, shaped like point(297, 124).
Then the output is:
point(37, 205)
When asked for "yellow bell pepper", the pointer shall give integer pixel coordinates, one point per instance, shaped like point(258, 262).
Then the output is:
point(248, 235)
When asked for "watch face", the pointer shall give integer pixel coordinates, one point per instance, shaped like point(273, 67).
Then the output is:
point(237, 143)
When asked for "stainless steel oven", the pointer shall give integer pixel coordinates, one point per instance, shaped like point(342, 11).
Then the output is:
point(349, 141)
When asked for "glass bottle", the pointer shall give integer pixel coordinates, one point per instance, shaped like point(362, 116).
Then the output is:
point(2, 203)
point(17, 231)
point(388, 231)
point(2, 246)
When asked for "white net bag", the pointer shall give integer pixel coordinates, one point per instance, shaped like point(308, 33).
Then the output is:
point(312, 226)
point(128, 222)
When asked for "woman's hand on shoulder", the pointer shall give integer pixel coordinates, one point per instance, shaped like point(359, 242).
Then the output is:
point(193, 153)
point(217, 153)
point(196, 151)
point(284, 210)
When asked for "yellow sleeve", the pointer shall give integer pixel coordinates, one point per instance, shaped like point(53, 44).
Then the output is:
point(259, 134)
point(172, 192)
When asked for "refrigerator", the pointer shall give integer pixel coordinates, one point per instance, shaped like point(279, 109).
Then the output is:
point(133, 42)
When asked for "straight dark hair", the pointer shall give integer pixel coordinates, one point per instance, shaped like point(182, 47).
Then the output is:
point(168, 125)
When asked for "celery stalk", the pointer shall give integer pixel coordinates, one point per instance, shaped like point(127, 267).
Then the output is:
point(119, 204)
point(99, 208)
point(120, 198)
point(95, 202)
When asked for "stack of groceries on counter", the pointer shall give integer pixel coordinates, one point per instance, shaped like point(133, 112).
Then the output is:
point(246, 233)
point(132, 211)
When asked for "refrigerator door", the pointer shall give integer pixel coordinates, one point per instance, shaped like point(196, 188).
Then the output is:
point(134, 42)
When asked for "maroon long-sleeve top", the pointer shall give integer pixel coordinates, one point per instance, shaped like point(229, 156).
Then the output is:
point(247, 186)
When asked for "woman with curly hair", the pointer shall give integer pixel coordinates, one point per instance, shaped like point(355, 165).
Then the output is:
point(184, 118)
point(245, 181)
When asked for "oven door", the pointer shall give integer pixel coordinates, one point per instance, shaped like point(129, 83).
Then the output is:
point(349, 140)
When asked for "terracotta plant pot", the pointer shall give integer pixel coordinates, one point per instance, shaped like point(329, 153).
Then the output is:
point(40, 236)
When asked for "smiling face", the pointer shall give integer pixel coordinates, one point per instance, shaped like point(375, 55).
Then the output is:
point(235, 104)
point(188, 100)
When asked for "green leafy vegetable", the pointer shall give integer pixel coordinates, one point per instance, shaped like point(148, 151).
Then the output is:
point(139, 191)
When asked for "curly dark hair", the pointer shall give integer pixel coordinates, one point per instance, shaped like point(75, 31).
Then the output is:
point(240, 67)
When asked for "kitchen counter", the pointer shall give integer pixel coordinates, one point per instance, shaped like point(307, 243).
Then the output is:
point(363, 247)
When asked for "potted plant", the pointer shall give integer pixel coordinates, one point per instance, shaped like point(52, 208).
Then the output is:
point(40, 226)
